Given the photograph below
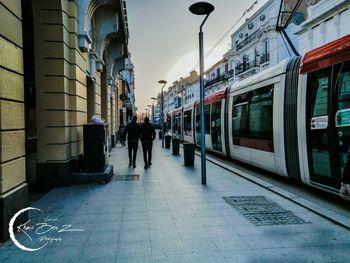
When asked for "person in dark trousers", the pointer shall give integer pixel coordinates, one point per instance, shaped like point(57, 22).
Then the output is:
point(132, 129)
point(147, 135)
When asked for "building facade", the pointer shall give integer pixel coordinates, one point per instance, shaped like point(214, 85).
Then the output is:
point(217, 76)
point(256, 44)
point(60, 64)
point(327, 20)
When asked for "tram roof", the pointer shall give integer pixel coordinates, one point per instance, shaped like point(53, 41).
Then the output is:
point(332, 53)
point(214, 97)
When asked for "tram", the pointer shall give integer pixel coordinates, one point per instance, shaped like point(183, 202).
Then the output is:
point(292, 119)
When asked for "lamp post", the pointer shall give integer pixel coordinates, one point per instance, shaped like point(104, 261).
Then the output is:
point(162, 112)
point(202, 8)
point(154, 99)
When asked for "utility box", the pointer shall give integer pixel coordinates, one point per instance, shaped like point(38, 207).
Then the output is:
point(95, 148)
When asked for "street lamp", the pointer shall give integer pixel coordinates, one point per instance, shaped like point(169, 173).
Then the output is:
point(162, 98)
point(154, 99)
point(202, 8)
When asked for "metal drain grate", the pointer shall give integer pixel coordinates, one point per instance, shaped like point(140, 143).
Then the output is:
point(263, 212)
point(126, 177)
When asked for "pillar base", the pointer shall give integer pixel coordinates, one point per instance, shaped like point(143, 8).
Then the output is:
point(10, 203)
point(50, 175)
point(86, 178)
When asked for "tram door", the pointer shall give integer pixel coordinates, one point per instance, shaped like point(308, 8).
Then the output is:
point(198, 126)
point(216, 126)
point(342, 118)
point(323, 144)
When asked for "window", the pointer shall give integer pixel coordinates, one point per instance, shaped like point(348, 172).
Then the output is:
point(252, 119)
point(207, 119)
point(240, 119)
point(187, 121)
point(260, 111)
point(179, 128)
point(319, 83)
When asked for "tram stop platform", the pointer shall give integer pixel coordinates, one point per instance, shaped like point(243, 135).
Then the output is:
point(165, 214)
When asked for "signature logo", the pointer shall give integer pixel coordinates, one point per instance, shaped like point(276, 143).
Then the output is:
point(39, 230)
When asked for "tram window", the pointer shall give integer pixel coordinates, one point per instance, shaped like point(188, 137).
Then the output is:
point(240, 119)
point(216, 114)
point(207, 119)
point(187, 120)
point(260, 111)
point(179, 128)
point(198, 119)
point(319, 83)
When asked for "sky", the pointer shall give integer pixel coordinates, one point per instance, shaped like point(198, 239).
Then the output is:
point(164, 40)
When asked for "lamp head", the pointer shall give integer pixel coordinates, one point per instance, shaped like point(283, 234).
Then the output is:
point(162, 82)
point(201, 8)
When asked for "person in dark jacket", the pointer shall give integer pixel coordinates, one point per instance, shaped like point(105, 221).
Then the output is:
point(147, 135)
point(132, 129)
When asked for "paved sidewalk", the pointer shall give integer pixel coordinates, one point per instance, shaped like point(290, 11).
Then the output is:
point(168, 216)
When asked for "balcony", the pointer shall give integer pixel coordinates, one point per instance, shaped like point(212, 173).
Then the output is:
point(253, 66)
point(219, 78)
point(247, 40)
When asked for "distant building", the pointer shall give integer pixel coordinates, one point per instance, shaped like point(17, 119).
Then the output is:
point(327, 20)
point(256, 45)
point(217, 76)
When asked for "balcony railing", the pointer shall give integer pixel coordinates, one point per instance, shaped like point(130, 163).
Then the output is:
point(252, 64)
point(247, 40)
point(219, 78)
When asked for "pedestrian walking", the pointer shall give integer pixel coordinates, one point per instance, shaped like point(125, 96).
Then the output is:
point(132, 129)
point(147, 135)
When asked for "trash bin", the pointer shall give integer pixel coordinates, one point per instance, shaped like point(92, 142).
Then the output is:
point(189, 153)
point(176, 146)
point(160, 134)
point(167, 141)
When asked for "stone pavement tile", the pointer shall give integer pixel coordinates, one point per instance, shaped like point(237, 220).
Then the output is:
point(97, 251)
point(102, 226)
point(196, 232)
point(133, 259)
point(213, 221)
point(168, 248)
point(220, 231)
point(135, 208)
point(169, 259)
point(102, 238)
point(227, 243)
point(73, 239)
point(263, 241)
point(200, 245)
point(164, 234)
point(162, 223)
point(134, 235)
point(64, 254)
point(328, 253)
point(241, 256)
point(135, 216)
point(134, 248)
point(276, 255)
point(140, 224)
point(205, 257)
